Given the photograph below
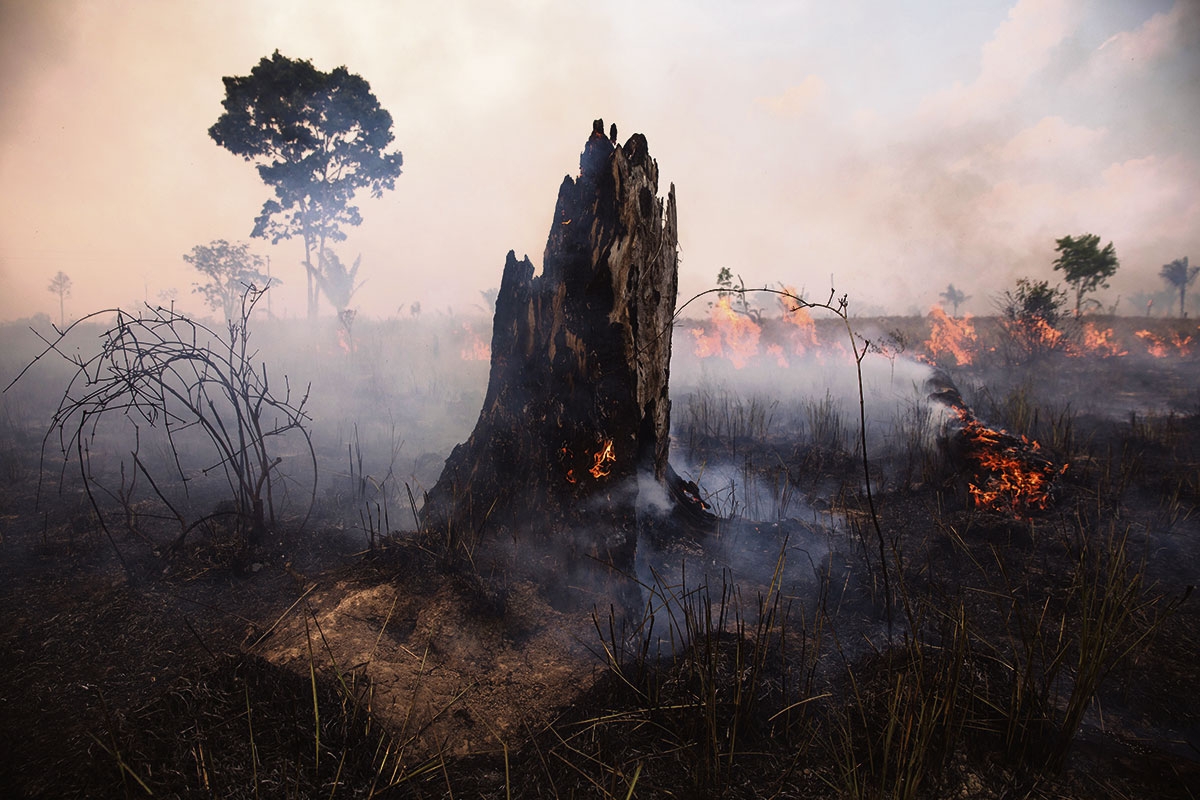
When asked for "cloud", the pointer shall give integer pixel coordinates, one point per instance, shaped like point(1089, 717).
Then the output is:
point(896, 149)
point(1051, 150)
point(1021, 47)
point(798, 99)
point(1050, 140)
point(1152, 198)
point(1156, 37)
point(32, 38)
point(1146, 206)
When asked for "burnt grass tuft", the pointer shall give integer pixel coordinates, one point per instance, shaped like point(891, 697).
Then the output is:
point(1051, 655)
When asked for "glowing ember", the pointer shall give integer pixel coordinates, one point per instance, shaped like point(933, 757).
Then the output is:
point(1016, 481)
point(950, 337)
point(565, 456)
point(605, 458)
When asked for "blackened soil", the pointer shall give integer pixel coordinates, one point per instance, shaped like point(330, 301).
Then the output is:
point(305, 668)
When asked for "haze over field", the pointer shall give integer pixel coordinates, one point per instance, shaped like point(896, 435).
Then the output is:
point(889, 149)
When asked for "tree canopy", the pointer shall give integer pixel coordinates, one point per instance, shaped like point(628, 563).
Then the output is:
point(1084, 264)
point(1032, 301)
point(1029, 316)
point(316, 138)
point(1179, 276)
point(231, 269)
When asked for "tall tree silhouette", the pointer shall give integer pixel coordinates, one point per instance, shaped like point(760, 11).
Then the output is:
point(60, 285)
point(316, 138)
point(1179, 276)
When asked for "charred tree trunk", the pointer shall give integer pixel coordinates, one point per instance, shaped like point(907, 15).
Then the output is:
point(576, 418)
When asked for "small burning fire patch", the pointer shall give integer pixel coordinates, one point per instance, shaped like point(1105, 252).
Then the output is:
point(1011, 474)
point(605, 458)
point(951, 337)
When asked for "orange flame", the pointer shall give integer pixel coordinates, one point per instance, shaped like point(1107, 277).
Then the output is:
point(1159, 347)
point(1100, 342)
point(1033, 336)
point(707, 344)
point(605, 458)
point(1017, 477)
point(1182, 343)
point(950, 336)
point(776, 352)
point(1039, 332)
point(803, 329)
point(1154, 345)
point(730, 334)
point(475, 349)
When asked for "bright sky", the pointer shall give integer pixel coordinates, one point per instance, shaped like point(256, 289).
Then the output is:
point(892, 148)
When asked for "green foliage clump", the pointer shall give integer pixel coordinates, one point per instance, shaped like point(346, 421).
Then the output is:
point(1084, 265)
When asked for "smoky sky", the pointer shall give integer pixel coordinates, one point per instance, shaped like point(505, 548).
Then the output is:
point(884, 150)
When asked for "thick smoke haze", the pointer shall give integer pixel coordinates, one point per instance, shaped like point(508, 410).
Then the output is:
point(887, 150)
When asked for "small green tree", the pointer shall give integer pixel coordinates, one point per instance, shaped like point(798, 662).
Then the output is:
point(1031, 315)
point(1034, 300)
point(954, 297)
point(316, 138)
point(1179, 276)
point(60, 285)
point(231, 269)
point(1085, 266)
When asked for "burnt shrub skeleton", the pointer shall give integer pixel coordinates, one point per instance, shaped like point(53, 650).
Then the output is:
point(161, 370)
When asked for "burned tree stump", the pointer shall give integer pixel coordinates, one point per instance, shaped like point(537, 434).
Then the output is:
point(577, 412)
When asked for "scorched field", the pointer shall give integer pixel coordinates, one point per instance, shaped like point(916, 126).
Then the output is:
point(985, 592)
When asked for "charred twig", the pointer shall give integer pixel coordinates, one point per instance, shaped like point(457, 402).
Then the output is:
point(177, 375)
